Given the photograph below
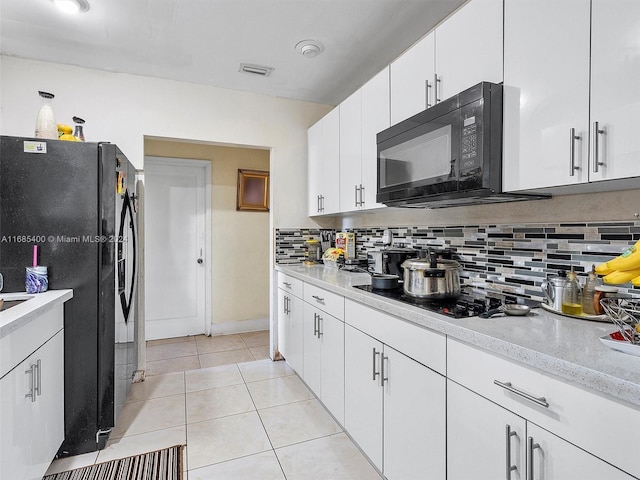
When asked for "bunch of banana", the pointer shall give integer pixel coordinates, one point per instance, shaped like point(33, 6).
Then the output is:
point(622, 269)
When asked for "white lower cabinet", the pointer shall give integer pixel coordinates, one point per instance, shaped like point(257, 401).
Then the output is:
point(290, 311)
point(32, 400)
point(482, 438)
point(394, 409)
point(363, 393)
point(324, 358)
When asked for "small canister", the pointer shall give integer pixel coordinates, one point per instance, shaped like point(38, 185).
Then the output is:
point(312, 251)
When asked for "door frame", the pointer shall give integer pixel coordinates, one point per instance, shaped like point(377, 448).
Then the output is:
point(206, 165)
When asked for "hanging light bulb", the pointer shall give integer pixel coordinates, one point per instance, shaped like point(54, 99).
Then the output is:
point(72, 6)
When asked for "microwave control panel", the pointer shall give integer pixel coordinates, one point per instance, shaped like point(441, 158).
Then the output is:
point(470, 156)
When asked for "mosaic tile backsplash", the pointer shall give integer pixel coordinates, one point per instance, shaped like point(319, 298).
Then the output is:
point(508, 258)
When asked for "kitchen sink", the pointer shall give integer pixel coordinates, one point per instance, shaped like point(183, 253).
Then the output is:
point(11, 303)
point(11, 300)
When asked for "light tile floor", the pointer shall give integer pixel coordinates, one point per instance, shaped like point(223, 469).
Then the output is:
point(242, 420)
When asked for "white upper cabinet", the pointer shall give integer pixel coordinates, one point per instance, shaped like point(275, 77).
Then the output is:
point(412, 76)
point(324, 164)
point(546, 96)
point(615, 92)
point(571, 96)
point(351, 152)
point(469, 48)
point(362, 116)
point(464, 50)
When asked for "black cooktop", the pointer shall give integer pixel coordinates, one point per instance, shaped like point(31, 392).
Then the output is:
point(470, 303)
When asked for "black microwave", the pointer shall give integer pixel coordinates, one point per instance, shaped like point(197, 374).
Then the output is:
point(447, 155)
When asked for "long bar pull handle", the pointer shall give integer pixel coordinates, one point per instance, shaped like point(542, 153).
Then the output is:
point(315, 324)
point(320, 320)
point(318, 299)
point(361, 195)
point(318, 204)
point(322, 203)
point(572, 153)
point(382, 377)
point(375, 374)
point(426, 93)
point(530, 448)
point(286, 284)
point(596, 146)
point(436, 81)
point(542, 401)
point(38, 382)
point(509, 468)
point(32, 393)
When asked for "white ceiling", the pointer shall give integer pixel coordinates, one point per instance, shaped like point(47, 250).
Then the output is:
point(204, 41)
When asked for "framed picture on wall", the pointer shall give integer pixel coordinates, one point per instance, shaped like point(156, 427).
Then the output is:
point(253, 190)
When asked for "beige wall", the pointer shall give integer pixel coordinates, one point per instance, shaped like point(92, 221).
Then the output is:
point(239, 240)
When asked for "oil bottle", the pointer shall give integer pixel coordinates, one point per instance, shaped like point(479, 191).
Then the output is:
point(572, 295)
point(588, 293)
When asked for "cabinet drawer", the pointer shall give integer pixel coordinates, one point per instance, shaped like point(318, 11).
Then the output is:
point(290, 284)
point(595, 422)
point(423, 345)
point(326, 301)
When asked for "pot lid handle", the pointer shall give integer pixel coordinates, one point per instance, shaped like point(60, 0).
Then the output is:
point(433, 259)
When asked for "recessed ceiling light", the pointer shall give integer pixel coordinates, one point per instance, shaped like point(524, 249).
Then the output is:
point(255, 69)
point(72, 6)
point(309, 48)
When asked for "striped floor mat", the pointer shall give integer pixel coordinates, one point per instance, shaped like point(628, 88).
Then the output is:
point(163, 464)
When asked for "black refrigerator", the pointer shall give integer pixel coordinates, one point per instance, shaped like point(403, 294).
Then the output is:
point(77, 202)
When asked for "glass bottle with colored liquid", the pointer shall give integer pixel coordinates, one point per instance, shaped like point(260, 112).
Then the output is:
point(572, 295)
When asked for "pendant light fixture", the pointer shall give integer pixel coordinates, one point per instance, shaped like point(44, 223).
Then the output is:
point(72, 6)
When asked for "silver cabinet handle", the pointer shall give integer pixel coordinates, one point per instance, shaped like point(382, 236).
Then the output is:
point(572, 152)
point(509, 468)
point(382, 377)
point(537, 400)
point(286, 305)
point(436, 81)
point(320, 320)
point(426, 93)
point(38, 382)
point(375, 374)
point(361, 195)
point(318, 299)
point(32, 393)
point(530, 448)
point(315, 324)
point(356, 189)
point(318, 204)
point(322, 203)
point(596, 146)
point(286, 284)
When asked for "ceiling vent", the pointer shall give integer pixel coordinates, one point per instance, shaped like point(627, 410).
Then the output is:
point(260, 70)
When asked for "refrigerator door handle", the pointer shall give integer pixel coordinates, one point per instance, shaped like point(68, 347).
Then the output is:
point(124, 301)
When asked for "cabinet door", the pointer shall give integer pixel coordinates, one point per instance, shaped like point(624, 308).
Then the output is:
point(555, 459)
point(332, 361)
point(15, 415)
point(412, 76)
point(375, 118)
point(47, 415)
point(350, 152)
point(469, 47)
point(283, 322)
point(311, 349)
point(363, 393)
point(546, 95)
point(478, 442)
point(314, 166)
point(414, 419)
point(615, 96)
point(295, 344)
point(330, 169)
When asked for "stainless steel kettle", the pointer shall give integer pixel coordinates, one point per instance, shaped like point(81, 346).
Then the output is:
point(552, 288)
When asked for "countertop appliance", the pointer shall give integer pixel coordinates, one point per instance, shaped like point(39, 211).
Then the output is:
point(389, 260)
point(77, 202)
point(470, 303)
point(447, 155)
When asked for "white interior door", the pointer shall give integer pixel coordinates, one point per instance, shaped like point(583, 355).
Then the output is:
point(176, 263)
